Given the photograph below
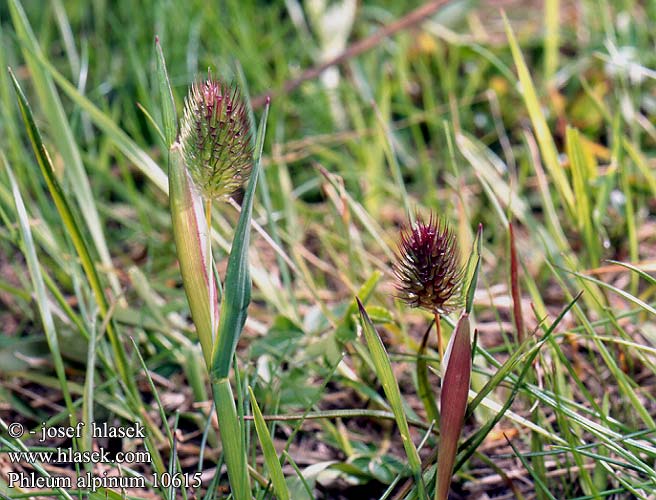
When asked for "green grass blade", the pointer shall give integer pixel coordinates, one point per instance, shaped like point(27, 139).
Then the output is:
point(543, 487)
point(583, 209)
point(237, 286)
point(234, 448)
point(34, 269)
point(63, 208)
point(150, 442)
point(424, 389)
point(88, 401)
point(104, 122)
point(270, 456)
point(631, 216)
point(642, 164)
point(551, 37)
point(647, 277)
point(166, 95)
point(385, 374)
point(540, 127)
point(473, 265)
point(63, 137)
point(386, 139)
point(622, 293)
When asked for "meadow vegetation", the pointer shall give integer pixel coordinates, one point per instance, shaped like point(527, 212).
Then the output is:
point(528, 127)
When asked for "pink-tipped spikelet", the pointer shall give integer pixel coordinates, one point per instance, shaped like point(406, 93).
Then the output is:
point(428, 269)
point(215, 138)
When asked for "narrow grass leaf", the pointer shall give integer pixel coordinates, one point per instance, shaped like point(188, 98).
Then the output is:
point(490, 168)
point(387, 140)
point(152, 441)
point(152, 122)
point(63, 137)
point(631, 237)
point(538, 481)
point(551, 38)
point(386, 376)
point(583, 210)
point(233, 444)
point(34, 269)
point(424, 390)
point(270, 456)
point(237, 286)
point(640, 162)
point(540, 127)
point(368, 222)
point(622, 293)
point(105, 123)
point(473, 264)
point(647, 277)
point(556, 236)
point(88, 400)
point(73, 231)
point(166, 95)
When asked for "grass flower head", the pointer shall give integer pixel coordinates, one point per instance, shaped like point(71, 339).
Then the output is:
point(428, 268)
point(215, 137)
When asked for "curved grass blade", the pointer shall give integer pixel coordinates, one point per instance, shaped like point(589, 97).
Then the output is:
point(536, 477)
point(384, 372)
point(237, 286)
point(626, 295)
point(166, 96)
point(545, 139)
point(582, 175)
point(423, 385)
point(73, 231)
point(647, 277)
point(472, 269)
point(232, 439)
point(122, 141)
point(34, 269)
point(63, 137)
point(270, 455)
point(151, 441)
